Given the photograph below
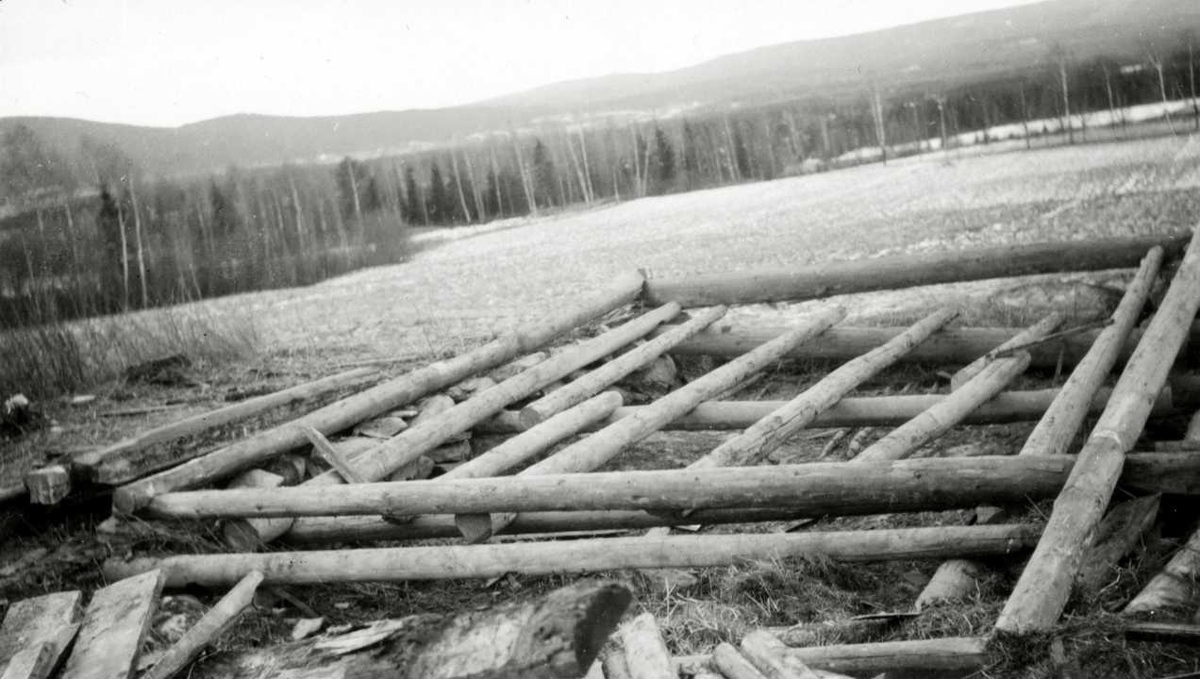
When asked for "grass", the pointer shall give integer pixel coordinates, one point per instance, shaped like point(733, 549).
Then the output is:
point(61, 358)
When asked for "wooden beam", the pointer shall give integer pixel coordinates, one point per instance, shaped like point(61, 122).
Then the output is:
point(50, 620)
point(902, 271)
point(155, 449)
point(820, 487)
point(376, 400)
point(1041, 593)
point(400, 564)
point(771, 431)
point(553, 636)
point(116, 620)
point(210, 627)
point(581, 389)
point(48, 485)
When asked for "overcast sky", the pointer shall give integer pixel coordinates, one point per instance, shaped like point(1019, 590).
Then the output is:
point(168, 62)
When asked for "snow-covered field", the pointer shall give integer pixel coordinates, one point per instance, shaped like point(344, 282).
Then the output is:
point(468, 288)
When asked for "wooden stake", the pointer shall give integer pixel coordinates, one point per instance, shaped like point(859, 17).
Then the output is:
point(555, 636)
point(577, 391)
point(901, 271)
point(771, 431)
point(577, 556)
point(646, 653)
point(376, 400)
point(215, 623)
point(1041, 593)
point(152, 450)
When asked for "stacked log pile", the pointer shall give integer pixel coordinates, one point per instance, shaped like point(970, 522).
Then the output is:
point(397, 463)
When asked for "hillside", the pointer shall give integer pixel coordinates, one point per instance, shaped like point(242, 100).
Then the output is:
point(940, 52)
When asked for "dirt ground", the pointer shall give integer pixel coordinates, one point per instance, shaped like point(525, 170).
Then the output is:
point(451, 296)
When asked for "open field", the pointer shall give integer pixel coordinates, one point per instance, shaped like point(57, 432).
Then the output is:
point(467, 288)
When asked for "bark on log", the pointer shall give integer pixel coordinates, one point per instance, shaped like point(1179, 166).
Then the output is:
point(819, 487)
point(769, 656)
point(952, 654)
point(376, 400)
point(1033, 333)
point(379, 462)
point(243, 534)
point(552, 637)
point(867, 411)
point(1174, 588)
point(578, 556)
point(153, 450)
point(953, 346)
point(331, 456)
point(771, 431)
point(1042, 591)
point(1119, 532)
point(613, 661)
point(732, 664)
point(902, 271)
point(348, 529)
point(646, 653)
point(583, 388)
point(211, 626)
point(910, 436)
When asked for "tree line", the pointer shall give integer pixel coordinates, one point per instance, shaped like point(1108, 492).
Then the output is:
point(98, 235)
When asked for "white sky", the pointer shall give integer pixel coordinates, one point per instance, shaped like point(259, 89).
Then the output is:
point(167, 62)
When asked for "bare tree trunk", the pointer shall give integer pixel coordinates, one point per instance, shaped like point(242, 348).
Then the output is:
point(76, 266)
point(637, 167)
point(526, 180)
point(1162, 89)
point(1192, 82)
point(462, 198)
point(1066, 97)
point(941, 104)
point(587, 173)
point(880, 131)
point(137, 231)
point(496, 176)
point(357, 203)
point(124, 259)
point(578, 167)
point(476, 192)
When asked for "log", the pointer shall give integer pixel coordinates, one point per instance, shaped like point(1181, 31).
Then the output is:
point(50, 620)
point(733, 665)
point(211, 626)
point(114, 624)
point(376, 400)
point(401, 564)
point(1163, 632)
point(592, 452)
point(551, 637)
point(1058, 427)
point(902, 271)
point(613, 661)
point(243, 534)
point(538, 438)
point(1041, 593)
point(1062, 420)
point(854, 630)
point(768, 655)
point(930, 424)
point(156, 449)
point(646, 653)
point(48, 485)
point(952, 654)
point(422, 437)
point(596, 671)
point(326, 530)
point(1117, 534)
point(1034, 333)
point(1174, 588)
point(867, 411)
point(332, 456)
point(581, 389)
point(820, 488)
point(952, 346)
point(771, 431)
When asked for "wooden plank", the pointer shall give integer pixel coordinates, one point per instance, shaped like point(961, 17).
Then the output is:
point(901, 271)
point(553, 636)
point(821, 487)
point(1041, 592)
point(51, 620)
point(378, 399)
point(32, 662)
point(210, 627)
point(116, 620)
point(608, 374)
point(156, 448)
point(399, 564)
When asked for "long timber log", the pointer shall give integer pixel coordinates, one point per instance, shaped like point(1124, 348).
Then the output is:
point(378, 399)
point(953, 346)
point(951, 655)
point(153, 449)
point(1041, 593)
point(400, 564)
point(903, 271)
point(555, 636)
point(823, 488)
point(868, 411)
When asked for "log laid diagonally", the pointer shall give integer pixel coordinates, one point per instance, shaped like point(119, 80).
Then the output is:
point(377, 400)
point(1041, 593)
